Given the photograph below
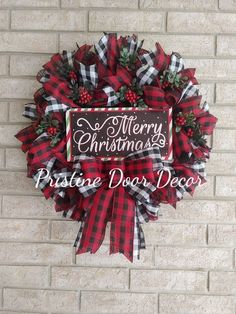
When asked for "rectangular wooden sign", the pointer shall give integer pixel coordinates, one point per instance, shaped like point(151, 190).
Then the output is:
point(116, 132)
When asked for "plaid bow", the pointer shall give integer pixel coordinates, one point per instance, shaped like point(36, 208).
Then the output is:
point(183, 145)
point(124, 207)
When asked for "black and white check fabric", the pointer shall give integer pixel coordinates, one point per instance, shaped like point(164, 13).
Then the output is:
point(43, 76)
point(68, 213)
point(78, 237)
point(88, 74)
point(139, 240)
point(205, 106)
point(133, 45)
point(148, 58)
point(151, 152)
point(101, 49)
point(68, 57)
point(189, 91)
point(30, 111)
point(199, 167)
point(176, 63)
point(146, 74)
point(54, 105)
point(112, 99)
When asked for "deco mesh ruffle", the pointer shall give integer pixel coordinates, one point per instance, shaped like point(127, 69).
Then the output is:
point(116, 72)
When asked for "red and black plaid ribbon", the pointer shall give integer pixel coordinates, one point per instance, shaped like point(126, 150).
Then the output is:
point(112, 204)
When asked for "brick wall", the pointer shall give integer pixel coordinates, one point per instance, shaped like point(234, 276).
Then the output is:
point(189, 264)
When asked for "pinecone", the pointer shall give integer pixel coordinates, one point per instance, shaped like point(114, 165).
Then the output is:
point(131, 96)
point(84, 97)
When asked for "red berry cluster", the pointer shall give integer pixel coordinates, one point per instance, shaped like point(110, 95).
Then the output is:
point(131, 96)
point(180, 121)
point(84, 97)
point(51, 131)
point(165, 84)
point(190, 132)
point(72, 75)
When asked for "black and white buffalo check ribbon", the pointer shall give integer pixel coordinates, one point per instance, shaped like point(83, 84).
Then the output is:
point(88, 74)
point(30, 111)
point(54, 105)
point(101, 48)
point(112, 99)
point(146, 74)
point(68, 57)
point(176, 63)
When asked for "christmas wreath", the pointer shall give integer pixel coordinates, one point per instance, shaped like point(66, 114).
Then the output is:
point(117, 72)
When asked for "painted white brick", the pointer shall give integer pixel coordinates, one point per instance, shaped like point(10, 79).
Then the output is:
point(16, 108)
point(224, 139)
point(194, 304)
point(3, 111)
point(175, 234)
point(64, 230)
point(23, 65)
point(28, 42)
point(27, 206)
point(17, 88)
point(226, 45)
point(115, 302)
point(226, 116)
point(225, 93)
point(213, 69)
point(99, 3)
point(4, 19)
point(168, 280)
point(89, 278)
point(138, 21)
point(227, 4)
point(15, 159)
point(35, 253)
point(23, 276)
point(222, 163)
point(200, 211)
point(197, 258)
point(193, 22)
point(49, 20)
point(4, 61)
point(225, 186)
point(223, 282)
point(29, 3)
point(41, 300)
point(16, 182)
point(222, 235)
point(2, 157)
point(178, 4)
point(26, 230)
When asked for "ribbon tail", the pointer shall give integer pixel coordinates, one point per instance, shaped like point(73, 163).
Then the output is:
point(122, 224)
point(93, 227)
point(139, 239)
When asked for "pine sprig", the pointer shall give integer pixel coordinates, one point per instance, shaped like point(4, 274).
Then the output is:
point(173, 78)
point(126, 59)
